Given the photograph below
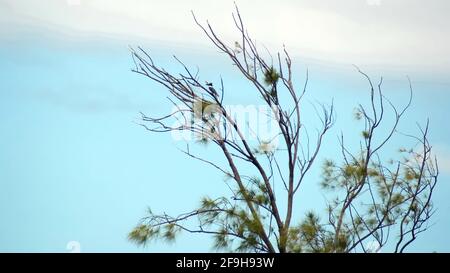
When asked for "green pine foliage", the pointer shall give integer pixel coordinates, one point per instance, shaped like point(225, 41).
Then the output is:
point(271, 76)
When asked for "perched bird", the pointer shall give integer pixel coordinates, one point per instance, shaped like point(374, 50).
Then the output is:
point(211, 89)
point(201, 107)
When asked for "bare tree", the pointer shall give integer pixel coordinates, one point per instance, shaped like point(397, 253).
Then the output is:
point(387, 203)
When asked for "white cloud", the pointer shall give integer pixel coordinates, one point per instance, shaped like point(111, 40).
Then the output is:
point(411, 33)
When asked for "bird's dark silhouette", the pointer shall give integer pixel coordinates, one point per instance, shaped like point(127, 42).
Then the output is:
point(211, 89)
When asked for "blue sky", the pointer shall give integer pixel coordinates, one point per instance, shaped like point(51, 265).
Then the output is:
point(74, 166)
